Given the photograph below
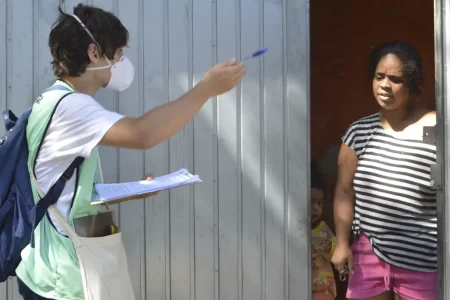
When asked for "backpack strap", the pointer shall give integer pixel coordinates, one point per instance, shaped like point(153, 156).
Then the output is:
point(40, 209)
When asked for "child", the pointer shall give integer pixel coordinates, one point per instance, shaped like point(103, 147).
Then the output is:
point(323, 243)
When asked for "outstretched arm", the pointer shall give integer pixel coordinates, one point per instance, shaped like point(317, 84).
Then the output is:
point(160, 123)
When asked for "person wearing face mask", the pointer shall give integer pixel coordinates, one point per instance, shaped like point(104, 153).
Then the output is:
point(87, 51)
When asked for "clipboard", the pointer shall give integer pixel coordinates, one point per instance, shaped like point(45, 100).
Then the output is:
point(113, 193)
point(124, 199)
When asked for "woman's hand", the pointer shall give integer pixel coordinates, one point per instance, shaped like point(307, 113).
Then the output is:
point(342, 255)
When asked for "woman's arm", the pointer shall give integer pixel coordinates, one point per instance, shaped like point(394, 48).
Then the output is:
point(344, 194)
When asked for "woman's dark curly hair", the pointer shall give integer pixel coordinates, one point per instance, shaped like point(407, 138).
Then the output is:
point(69, 41)
point(408, 54)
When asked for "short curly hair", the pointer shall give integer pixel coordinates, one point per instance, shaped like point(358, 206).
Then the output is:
point(410, 57)
point(69, 41)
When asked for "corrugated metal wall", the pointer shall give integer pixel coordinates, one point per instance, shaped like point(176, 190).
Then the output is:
point(243, 233)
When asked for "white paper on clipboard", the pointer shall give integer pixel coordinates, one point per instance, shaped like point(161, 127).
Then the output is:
point(113, 191)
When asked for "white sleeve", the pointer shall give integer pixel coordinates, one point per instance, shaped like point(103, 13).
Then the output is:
point(78, 125)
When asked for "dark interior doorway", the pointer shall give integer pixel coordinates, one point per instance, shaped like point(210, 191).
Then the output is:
point(342, 36)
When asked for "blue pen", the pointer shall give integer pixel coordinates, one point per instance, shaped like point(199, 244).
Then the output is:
point(256, 53)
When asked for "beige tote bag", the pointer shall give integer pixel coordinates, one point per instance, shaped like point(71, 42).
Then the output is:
point(103, 264)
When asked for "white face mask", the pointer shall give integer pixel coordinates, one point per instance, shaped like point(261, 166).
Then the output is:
point(122, 72)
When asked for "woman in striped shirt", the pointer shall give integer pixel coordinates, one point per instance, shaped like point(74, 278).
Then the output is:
point(383, 192)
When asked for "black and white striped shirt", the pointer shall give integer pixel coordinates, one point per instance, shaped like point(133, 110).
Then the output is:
point(394, 203)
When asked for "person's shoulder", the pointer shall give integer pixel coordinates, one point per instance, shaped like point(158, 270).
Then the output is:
point(75, 103)
point(77, 99)
point(429, 118)
point(367, 120)
point(360, 131)
point(365, 123)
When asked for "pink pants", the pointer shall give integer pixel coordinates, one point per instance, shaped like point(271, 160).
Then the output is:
point(372, 277)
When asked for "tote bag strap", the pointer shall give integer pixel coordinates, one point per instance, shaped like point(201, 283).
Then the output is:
point(62, 222)
point(66, 227)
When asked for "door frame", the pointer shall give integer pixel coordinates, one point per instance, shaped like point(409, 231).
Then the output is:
point(441, 172)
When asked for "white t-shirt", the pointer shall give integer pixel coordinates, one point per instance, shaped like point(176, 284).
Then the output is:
point(78, 125)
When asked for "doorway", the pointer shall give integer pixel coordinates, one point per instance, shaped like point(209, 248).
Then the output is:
point(341, 38)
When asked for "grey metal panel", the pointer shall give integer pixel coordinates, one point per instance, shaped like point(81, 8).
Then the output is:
point(131, 162)
point(275, 152)
point(3, 291)
point(45, 14)
point(180, 152)
point(442, 87)
point(20, 85)
point(297, 65)
point(243, 233)
point(156, 92)
point(13, 292)
point(228, 155)
point(3, 51)
point(252, 155)
point(205, 158)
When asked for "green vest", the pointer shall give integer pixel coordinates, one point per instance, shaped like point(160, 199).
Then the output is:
point(51, 269)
